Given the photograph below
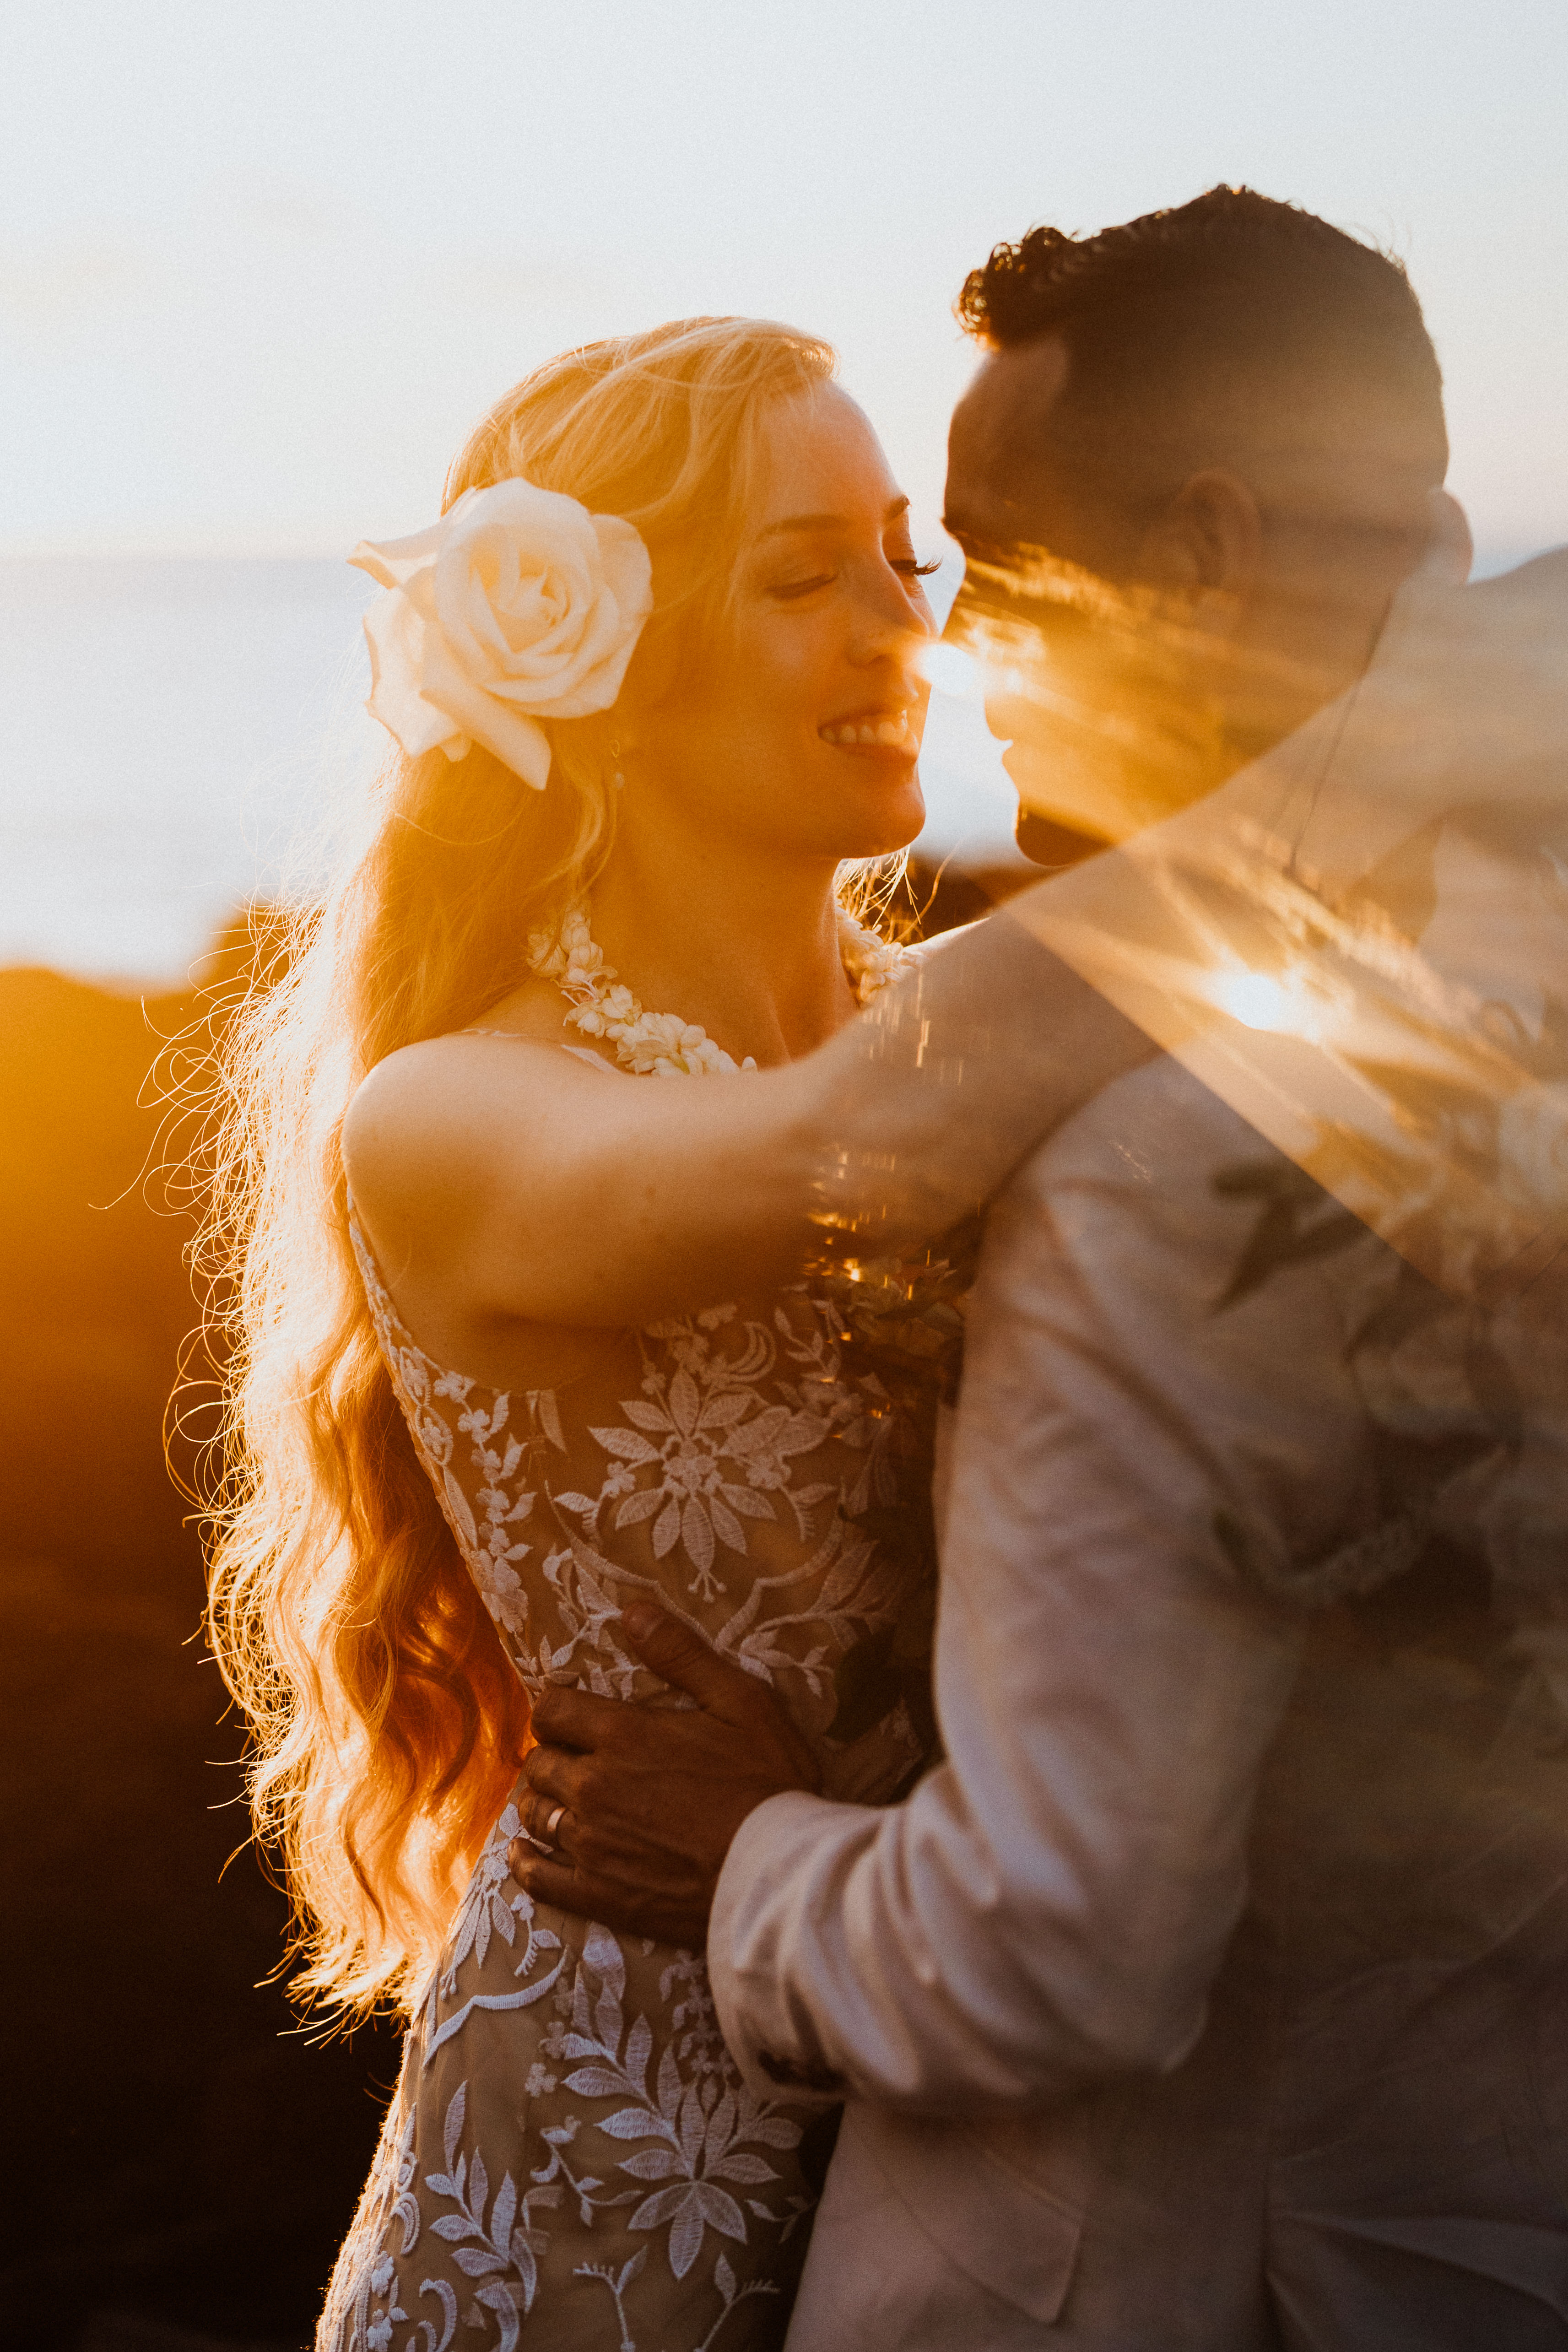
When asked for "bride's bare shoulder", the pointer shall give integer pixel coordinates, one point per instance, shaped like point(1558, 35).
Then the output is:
point(439, 1109)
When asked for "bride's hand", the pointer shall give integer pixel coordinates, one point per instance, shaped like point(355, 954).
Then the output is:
point(640, 1804)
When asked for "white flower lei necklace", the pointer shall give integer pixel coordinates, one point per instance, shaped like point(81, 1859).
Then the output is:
point(661, 1045)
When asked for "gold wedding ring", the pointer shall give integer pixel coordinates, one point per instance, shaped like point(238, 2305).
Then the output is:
point(550, 1826)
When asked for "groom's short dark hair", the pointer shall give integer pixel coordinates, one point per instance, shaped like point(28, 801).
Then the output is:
point(1234, 281)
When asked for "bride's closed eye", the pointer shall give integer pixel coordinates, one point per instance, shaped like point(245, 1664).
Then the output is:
point(904, 560)
point(908, 567)
point(787, 590)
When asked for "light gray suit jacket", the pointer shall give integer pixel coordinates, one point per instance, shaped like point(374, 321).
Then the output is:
point(1214, 1991)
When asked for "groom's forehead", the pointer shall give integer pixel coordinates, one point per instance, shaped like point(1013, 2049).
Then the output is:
point(996, 449)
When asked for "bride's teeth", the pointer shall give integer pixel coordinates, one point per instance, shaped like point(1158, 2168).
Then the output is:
point(885, 731)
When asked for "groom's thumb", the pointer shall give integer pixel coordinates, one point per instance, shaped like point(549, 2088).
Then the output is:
point(681, 1656)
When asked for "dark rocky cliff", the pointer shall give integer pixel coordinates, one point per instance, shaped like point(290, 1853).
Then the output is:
point(184, 2159)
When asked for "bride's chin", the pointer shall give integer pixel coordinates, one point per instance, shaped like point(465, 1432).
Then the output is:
point(910, 822)
point(880, 842)
point(865, 813)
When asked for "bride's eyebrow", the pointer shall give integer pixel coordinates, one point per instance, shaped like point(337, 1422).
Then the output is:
point(830, 521)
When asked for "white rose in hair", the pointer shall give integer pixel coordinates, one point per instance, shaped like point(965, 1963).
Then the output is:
point(518, 605)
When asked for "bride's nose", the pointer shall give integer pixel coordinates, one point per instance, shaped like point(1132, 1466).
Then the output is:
point(889, 627)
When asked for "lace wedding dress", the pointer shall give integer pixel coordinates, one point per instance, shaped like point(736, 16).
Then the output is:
point(571, 2156)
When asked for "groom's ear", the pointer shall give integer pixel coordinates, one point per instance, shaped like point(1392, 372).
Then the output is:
point(1206, 544)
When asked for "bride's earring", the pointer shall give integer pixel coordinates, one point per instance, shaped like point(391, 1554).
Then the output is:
point(618, 779)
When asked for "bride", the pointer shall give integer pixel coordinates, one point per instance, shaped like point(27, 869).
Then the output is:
point(652, 677)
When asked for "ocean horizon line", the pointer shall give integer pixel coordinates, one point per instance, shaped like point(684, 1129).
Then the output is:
point(1496, 552)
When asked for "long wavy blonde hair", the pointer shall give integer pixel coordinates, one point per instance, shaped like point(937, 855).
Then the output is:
point(387, 1724)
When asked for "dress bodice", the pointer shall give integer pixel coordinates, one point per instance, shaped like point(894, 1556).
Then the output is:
point(762, 1469)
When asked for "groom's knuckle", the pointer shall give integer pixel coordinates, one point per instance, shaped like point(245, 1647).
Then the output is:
point(592, 1852)
point(679, 1648)
point(551, 1710)
point(757, 1699)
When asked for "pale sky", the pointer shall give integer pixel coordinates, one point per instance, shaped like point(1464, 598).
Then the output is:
point(261, 267)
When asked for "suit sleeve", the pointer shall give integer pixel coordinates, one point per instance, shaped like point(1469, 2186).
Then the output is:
point(1050, 1906)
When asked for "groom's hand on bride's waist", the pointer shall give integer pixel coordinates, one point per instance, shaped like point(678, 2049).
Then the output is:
point(631, 1809)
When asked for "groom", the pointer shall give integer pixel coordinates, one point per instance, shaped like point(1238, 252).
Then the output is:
point(1211, 1991)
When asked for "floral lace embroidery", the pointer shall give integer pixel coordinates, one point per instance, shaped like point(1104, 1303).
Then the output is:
point(747, 1444)
point(661, 2140)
